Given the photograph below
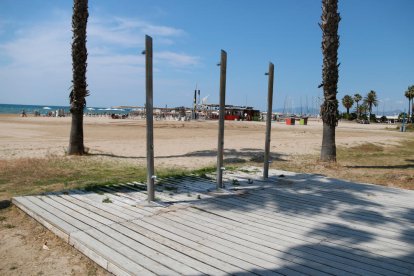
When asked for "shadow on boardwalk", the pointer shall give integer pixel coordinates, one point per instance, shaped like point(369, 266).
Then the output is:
point(358, 228)
point(291, 224)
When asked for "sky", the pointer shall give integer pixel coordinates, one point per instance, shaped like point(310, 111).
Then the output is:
point(376, 51)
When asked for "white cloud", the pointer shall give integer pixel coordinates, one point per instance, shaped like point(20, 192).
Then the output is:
point(176, 59)
point(145, 27)
point(128, 32)
point(37, 61)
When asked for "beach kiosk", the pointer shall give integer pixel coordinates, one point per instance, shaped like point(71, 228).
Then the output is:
point(290, 121)
point(303, 121)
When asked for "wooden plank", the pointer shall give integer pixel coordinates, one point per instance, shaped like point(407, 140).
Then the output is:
point(58, 213)
point(388, 235)
point(107, 208)
point(156, 255)
point(390, 196)
point(85, 249)
point(61, 228)
point(281, 249)
point(269, 220)
point(264, 241)
point(92, 208)
point(281, 232)
point(76, 211)
point(127, 213)
point(173, 254)
point(112, 240)
point(373, 212)
point(129, 204)
point(271, 260)
point(212, 257)
point(245, 254)
point(231, 258)
point(214, 266)
point(73, 214)
point(110, 255)
point(286, 235)
point(377, 212)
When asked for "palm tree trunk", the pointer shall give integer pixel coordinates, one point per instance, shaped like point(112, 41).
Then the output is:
point(76, 146)
point(328, 143)
point(329, 109)
point(79, 85)
point(347, 110)
point(357, 111)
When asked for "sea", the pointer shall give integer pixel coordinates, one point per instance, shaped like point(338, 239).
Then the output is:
point(45, 109)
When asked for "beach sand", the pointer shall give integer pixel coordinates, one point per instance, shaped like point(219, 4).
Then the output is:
point(177, 144)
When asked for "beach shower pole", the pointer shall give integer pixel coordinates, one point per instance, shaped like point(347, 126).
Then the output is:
point(149, 115)
point(220, 167)
point(268, 120)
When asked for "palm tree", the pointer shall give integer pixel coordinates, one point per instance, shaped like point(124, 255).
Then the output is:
point(410, 95)
point(371, 100)
point(347, 102)
point(362, 109)
point(357, 99)
point(329, 109)
point(79, 87)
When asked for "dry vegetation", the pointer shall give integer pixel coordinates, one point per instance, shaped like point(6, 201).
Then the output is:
point(25, 176)
point(372, 163)
point(368, 163)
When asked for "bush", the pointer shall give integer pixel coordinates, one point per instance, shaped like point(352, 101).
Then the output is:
point(373, 118)
point(364, 117)
point(402, 115)
point(350, 116)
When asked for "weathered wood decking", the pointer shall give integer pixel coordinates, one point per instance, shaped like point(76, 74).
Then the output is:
point(292, 225)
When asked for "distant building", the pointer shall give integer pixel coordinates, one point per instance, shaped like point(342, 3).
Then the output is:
point(232, 112)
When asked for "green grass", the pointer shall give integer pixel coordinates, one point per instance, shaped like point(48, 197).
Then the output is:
point(106, 200)
point(373, 163)
point(38, 175)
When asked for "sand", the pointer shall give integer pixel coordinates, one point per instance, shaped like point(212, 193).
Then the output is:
point(179, 144)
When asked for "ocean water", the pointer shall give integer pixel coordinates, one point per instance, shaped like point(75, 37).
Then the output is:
point(45, 109)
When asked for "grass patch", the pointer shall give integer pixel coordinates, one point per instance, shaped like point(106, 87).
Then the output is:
point(9, 226)
point(369, 163)
point(408, 127)
point(36, 175)
point(106, 200)
point(26, 176)
point(365, 148)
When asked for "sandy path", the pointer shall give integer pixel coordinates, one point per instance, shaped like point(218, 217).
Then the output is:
point(184, 144)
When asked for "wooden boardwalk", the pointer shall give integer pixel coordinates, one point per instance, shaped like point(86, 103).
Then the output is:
point(293, 224)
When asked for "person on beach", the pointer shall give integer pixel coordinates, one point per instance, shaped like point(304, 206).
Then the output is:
point(24, 113)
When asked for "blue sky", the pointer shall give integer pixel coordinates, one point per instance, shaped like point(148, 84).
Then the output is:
point(376, 51)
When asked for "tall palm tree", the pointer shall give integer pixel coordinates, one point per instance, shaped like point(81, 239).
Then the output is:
point(79, 87)
point(347, 102)
point(329, 109)
point(357, 99)
point(371, 100)
point(410, 95)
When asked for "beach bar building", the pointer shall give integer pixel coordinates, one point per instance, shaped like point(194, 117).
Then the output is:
point(232, 112)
